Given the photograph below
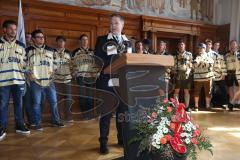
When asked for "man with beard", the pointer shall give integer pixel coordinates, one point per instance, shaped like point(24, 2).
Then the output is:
point(12, 79)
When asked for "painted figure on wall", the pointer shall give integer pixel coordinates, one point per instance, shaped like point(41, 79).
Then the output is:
point(96, 2)
point(156, 5)
point(132, 4)
point(195, 7)
point(174, 9)
point(183, 3)
point(206, 9)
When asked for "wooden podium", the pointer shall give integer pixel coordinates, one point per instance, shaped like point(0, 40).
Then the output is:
point(141, 77)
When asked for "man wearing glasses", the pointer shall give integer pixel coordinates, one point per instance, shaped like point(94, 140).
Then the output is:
point(41, 68)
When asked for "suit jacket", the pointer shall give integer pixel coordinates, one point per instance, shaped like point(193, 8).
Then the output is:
point(101, 52)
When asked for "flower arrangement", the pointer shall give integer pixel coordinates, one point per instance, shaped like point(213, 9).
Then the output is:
point(169, 128)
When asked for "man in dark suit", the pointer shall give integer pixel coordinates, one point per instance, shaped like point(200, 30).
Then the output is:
point(107, 47)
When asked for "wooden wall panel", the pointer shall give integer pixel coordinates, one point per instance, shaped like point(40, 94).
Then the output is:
point(192, 32)
point(223, 33)
point(70, 21)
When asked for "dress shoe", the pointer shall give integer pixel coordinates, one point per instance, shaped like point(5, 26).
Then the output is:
point(104, 149)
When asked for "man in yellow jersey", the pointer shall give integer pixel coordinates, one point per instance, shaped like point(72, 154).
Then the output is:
point(62, 77)
point(41, 68)
point(12, 79)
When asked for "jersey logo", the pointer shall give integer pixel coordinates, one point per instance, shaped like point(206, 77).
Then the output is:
point(13, 59)
point(44, 63)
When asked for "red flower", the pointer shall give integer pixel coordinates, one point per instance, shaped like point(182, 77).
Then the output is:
point(168, 137)
point(154, 114)
point(169, 109)
point(165, 100)
point(172, 126)
point(178, 129)
point(173, 118)
point(196, 133)
point(163, 140)
point(174, 101)
point(181, 114)
point(197, 126)
point(178, 145)
point(181, 105)
point(194, 141)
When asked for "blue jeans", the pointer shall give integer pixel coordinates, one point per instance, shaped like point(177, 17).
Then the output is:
point(17, 92)
point(37, 92)
point(28, 104)
point(64, 90)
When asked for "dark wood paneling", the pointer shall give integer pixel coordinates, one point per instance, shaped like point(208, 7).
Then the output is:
point(70, 21)
point(223, 33)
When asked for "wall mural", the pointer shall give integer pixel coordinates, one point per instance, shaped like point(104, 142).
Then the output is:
point(174, 9)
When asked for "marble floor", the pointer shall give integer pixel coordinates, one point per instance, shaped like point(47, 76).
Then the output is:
point(79, 141)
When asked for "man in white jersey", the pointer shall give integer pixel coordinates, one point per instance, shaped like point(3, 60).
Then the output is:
point(231, 79)
point(62, 77)
point(203, 74)
point(41, 68)
point(219, 90)
point(12, 79)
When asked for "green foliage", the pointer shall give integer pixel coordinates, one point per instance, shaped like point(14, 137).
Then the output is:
point(145, 131)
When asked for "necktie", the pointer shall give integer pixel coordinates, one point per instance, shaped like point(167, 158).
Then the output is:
point(118, 39)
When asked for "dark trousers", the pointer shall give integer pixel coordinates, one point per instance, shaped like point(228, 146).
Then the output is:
point(64, 90)
point(17, 92)
point(85, 99)
point(105, 126)
point(219, 93)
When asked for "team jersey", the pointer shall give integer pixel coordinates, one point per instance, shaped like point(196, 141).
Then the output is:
point(219, 66)
point(84, 63)
point(12, 62)
point(203, 68)
point(238, 65)
point(183, 65)
point(63, 62)
point(41, 64)
point(230, 59)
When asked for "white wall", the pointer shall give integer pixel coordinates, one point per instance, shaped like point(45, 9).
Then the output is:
point(228, 12)
point(235, 21)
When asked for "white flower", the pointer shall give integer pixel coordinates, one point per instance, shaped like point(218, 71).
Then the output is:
point(189, 129)
point(187, 125)
point(168, 122)
point(159, 127)
point(154, 136)
point(160, 133)
point(184, 128)
point(154, 144)
point(183, 134)
point(194, 127)
point(165, 130)
point(157, 141)
point(187, 141)
point(157, 146)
